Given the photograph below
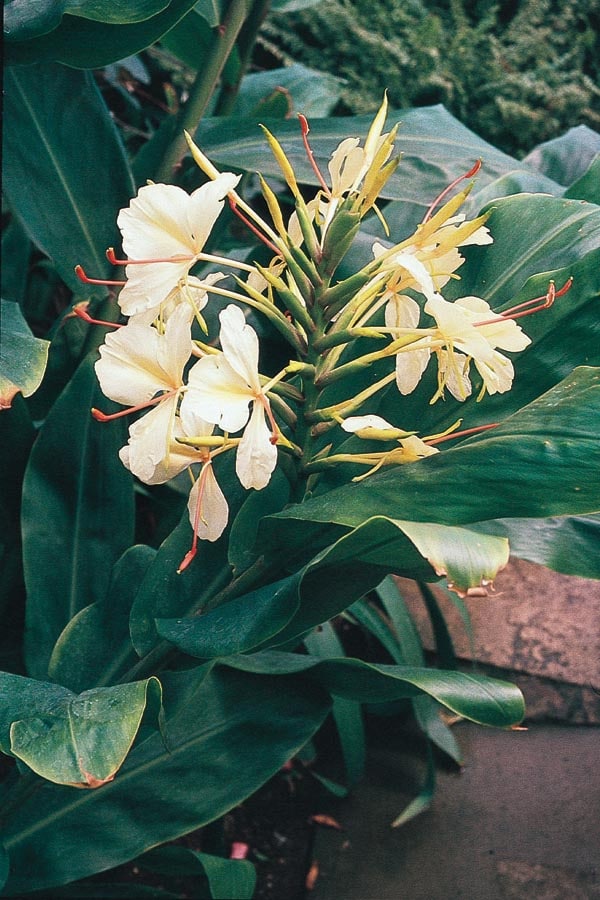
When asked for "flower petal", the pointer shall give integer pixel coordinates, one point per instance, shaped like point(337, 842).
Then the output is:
point(240, 345)
point(216, 394)
point(129, 370)
point(210, 520)
point(152, 454)
point(256, 456)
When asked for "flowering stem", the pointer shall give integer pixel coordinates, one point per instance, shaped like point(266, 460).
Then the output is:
point(204, 86)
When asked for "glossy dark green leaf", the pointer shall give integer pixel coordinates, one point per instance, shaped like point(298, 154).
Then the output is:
point(435, 148)
point(312, 93)
point(77, 514)
point(95, 648)
point(16, 253)
point(81, 740)
point(23, 357)
point(566, 158)
point(587, 187)
point(65, 190)
point(86, 44)
point(164, 592)
point(422, 801)
point(549, 457)
point(4, 866)
point(24, 20)
point(567, 544)
point(347, 714)
point(228, 732)
point(221, 878)
point(478, 698)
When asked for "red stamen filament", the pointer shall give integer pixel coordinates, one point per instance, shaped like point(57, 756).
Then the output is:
point(547, 301)
point(470, 174)
point(464, 433)
point(79, 271)
point(83, 314)
point(251, 226)
point(112, 258)
point(197, 516)
point(269, 413)
point(105, 417)
point(309, 152)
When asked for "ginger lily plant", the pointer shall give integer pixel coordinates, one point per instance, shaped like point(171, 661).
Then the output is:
point(333, 406)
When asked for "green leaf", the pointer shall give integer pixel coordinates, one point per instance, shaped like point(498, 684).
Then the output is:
point(567, 157)
point(423, 799)
point(4, 866)
point(224, 878)
point(457, 553)
point(587, 187)
point(86, 44)
point(82, 740)
point(312, 93)
point(347, 714)
point(164, 592)
point(434, 146)
point(477, 698)
point(549, 456)
point(77, 514)
point(95, 648)
point(210, 10)
point(65, 191)
point(23, 357)
point(24, 20)
point(228, 733)
point(566, 544)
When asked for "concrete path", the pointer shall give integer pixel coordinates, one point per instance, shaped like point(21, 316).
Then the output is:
point(522, 820)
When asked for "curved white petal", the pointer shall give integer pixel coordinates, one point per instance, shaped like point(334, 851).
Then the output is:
point(402, 311)
point(410, 365)
point(216, 394)
point(497, 374)
point(209, 519)
point(240, 345)
point(204, 207)
point(454, 374)
point(151, 453)
point(256, 456)
point(500, 332)
point(129, 370)
point(357, 423)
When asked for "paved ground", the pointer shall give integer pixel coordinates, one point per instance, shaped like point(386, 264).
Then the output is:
point(522, 820)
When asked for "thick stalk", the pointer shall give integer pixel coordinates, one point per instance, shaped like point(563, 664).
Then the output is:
point(204, 86)
point(245, 45)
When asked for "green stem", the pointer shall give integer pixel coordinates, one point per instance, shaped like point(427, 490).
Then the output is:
point(204, 86)
point(245, 45)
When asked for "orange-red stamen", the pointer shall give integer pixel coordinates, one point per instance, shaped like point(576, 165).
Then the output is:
point(197, 516)
point(250, 225)
point(80, 272)
point(112, 258)
point(108, 417)
point(470, 174)
point(304, 127)
point(274, 426)
point(82, 313)
point(547, 300)
point(464, 433)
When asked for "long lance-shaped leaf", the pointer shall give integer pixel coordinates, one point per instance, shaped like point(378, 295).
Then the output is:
point(567, 544)
point(26, 20)
point(352, 566)
point(542, 461)
point(86, 44)
point(487, 701)
point(228, 732)
point(79, 740)
point(77, 514)
point(57, 133)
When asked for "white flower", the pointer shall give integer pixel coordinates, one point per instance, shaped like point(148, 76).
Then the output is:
point(470, 327)
point(224, 387)
point(165, 222)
